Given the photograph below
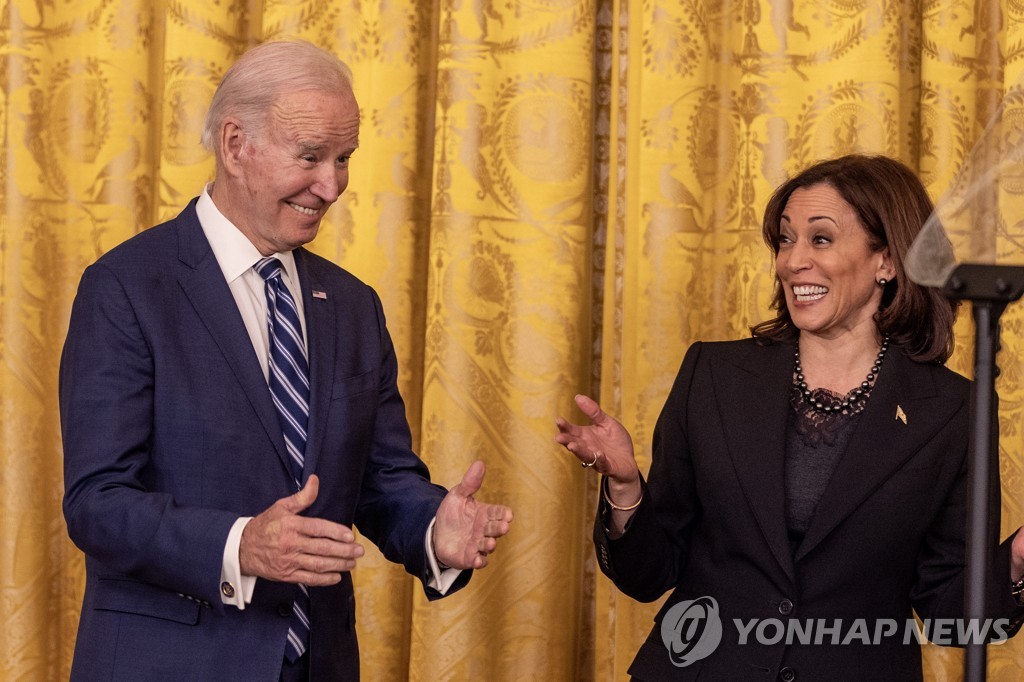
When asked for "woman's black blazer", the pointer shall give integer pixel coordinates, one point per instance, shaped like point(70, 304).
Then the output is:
point(887, 535)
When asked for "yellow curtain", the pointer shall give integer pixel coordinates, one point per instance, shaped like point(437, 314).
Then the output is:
point(551, 196)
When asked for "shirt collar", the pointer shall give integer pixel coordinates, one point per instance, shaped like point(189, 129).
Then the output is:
point(234, 252)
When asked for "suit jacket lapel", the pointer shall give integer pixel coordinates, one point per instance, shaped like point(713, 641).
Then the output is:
point(752, 395)
point(321, 330)
point(203, 283)
point(881, 444)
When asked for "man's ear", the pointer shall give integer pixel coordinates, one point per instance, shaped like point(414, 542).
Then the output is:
point(232, 146)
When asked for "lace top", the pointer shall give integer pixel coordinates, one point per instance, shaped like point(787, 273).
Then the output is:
point(814, 443)
point(817, 427)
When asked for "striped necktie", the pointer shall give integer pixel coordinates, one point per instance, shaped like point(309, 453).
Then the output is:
point(288, 377)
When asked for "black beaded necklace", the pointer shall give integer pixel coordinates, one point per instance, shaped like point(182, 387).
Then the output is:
point(859, 393)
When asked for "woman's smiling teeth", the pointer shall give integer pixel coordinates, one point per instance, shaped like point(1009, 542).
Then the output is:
point(303, 210)
point(809, 292)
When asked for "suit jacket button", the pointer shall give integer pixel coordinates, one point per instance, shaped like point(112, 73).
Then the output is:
point(787, 675)
point(785, 607)
point(284, 610)
point(227, 589)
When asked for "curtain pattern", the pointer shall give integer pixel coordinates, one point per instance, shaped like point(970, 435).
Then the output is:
point(551, 196)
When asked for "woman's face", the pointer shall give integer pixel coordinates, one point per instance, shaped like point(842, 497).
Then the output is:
point(828, 271)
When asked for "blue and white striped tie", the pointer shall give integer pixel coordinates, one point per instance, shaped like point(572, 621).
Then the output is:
point(289, 387)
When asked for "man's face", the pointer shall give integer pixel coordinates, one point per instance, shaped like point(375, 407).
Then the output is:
point(291, 172)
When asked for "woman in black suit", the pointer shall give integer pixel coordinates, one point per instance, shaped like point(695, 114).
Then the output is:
point(808, 485)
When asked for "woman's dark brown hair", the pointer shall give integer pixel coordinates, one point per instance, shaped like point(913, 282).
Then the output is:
point(892, 205)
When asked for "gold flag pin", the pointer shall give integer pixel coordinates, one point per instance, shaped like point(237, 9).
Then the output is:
point(901, 415)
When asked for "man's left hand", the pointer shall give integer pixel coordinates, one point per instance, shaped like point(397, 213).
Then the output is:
point(466, 531)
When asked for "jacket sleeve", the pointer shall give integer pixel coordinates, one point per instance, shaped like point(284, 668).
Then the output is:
point(106, 395)
point(397, 501)
point(940, 588)
point(645, 561)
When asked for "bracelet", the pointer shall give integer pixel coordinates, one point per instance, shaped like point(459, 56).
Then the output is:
point(604, 491)
point(1017, 591)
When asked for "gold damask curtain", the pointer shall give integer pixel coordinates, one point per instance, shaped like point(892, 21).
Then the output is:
point(551, 196)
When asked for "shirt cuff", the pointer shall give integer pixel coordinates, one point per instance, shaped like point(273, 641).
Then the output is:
point(235, 589)
point(440, 580)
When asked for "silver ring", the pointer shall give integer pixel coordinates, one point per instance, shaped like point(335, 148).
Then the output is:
point(587, 465)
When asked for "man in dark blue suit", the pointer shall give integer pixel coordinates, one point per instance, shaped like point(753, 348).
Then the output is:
point(230, 411)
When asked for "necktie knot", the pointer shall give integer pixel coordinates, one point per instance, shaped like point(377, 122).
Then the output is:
point(269, 268)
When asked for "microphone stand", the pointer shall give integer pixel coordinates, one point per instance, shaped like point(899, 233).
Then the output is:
point(989, 288)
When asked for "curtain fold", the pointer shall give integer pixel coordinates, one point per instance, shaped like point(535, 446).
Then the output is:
point(506, 329)
point(551, 197)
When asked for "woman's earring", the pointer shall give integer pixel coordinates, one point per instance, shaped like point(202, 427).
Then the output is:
point(882, 282)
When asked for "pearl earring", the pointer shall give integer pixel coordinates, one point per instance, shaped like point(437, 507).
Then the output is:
point(882, 282)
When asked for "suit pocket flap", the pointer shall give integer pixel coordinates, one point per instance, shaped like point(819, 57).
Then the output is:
point(128, 596)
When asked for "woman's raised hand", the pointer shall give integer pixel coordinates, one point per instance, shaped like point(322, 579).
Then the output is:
point(604, 444)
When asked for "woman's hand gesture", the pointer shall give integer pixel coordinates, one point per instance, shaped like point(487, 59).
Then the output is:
point(604, 444)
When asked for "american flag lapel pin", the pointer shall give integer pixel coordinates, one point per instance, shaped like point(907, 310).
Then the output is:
point(320, 294)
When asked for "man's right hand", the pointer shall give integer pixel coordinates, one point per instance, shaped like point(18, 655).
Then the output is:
point(280, 545)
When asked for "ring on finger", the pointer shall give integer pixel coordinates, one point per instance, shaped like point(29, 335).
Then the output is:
point(587, 465)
